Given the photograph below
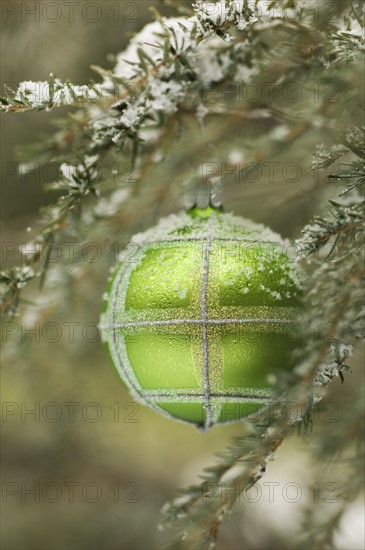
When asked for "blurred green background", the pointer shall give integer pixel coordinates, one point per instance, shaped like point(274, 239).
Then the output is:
point(101, 466)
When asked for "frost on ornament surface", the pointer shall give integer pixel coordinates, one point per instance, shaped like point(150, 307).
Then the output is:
point(198, 326)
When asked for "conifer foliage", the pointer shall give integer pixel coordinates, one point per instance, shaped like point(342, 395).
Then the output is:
point(219, 67)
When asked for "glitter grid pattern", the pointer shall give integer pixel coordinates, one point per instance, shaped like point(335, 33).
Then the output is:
point(202, 320)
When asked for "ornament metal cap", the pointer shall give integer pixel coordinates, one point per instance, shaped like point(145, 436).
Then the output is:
point(208, 200)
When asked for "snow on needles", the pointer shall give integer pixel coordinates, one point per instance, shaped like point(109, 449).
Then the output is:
point(43, 94)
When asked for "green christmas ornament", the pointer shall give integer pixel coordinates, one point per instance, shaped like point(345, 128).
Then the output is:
point(201, 319)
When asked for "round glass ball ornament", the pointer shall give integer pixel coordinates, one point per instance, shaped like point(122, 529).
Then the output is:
point(201, 315)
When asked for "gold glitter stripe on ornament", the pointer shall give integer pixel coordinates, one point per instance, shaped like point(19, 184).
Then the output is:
point(203, 238)
point(205, 348)
point(171, 322)
point(249, 391)
point(176, 397)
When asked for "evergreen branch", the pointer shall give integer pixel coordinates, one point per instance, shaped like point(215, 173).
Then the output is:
point(319, 527)
point(47, 95)
point(158, 82)
point(320, 533)
point(12, 281)
point(196, 514)
point(148, 70)
point(345, 219)
point(325, 156)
